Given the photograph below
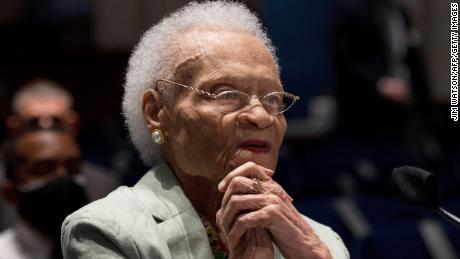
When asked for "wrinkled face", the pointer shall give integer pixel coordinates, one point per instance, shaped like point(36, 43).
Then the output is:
point(200, 139)
point(46, 155)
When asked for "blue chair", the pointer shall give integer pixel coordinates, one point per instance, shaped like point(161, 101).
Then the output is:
point(323, 211)
point(393, 242)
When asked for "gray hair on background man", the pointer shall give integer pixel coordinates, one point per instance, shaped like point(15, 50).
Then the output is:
point(154, 58)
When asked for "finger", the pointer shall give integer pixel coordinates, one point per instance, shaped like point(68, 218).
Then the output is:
point(219, 220)
point(245, 247)
point(238, 185)
point(242, 185)
point(257, 243)
point(274, 188)
point(249, 169)
point(262, 218)
point(239, 204)
point(264, 244)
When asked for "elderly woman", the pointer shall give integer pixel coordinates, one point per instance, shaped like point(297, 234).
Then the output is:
point(204, 106)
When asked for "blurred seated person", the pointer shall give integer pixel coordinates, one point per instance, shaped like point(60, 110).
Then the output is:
point(381, 87)
point(43, 104)
point(204, 105)
point(42, 184)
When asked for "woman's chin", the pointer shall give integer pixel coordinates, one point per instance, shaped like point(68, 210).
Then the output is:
point(265, 159)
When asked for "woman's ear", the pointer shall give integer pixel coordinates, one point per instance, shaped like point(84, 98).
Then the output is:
point(151, 107)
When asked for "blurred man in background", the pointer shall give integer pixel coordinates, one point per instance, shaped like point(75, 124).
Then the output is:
point(42, 183)
point(45, 105)
point(42, 104)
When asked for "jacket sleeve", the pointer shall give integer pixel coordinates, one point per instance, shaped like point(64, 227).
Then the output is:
point(116, 226)
point(331, 239)
point(83, 238)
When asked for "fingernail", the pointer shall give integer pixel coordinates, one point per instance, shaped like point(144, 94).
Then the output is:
point(270, 172)
point(221, 185)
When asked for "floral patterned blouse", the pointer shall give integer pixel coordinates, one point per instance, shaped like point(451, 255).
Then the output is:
point(219, 249)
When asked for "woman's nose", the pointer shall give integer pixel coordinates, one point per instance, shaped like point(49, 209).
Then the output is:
point(256, 114)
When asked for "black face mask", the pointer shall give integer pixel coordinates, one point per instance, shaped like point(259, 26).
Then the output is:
point(45, 208)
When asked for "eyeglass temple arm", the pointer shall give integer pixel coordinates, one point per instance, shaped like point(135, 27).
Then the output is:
point(213, 96)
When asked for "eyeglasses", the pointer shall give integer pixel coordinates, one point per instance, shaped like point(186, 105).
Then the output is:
point(51, 122)
point(233, 100)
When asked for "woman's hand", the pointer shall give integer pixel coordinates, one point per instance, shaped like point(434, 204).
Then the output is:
point(246, 208)
point(256, 243)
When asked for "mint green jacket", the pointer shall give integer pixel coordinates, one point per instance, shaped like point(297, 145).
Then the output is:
point(153, 219)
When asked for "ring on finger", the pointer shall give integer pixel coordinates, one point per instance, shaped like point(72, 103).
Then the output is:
point(256, 186)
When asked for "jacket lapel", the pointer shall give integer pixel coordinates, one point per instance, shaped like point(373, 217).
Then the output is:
point(180, 225)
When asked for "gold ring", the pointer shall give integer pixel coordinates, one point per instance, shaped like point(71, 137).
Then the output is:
point(256, 186)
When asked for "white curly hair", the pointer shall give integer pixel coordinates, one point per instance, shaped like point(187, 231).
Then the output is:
point(153, 58)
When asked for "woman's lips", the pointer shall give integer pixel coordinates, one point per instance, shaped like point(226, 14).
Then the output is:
point(255, 145)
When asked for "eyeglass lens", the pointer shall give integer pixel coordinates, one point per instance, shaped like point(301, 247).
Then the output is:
point(234, 100)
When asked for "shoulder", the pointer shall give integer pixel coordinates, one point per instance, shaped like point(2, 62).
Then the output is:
point(8, 245)
point(330, 238)
point(113, 206)
point(116, 212)
point(115, 226)
point(6, 235)
point(102, 220)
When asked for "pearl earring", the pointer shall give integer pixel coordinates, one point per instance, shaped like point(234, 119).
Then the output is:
point(158, 137)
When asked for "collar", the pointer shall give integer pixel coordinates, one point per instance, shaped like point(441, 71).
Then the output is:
point(161, 195)
point(160, 183)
